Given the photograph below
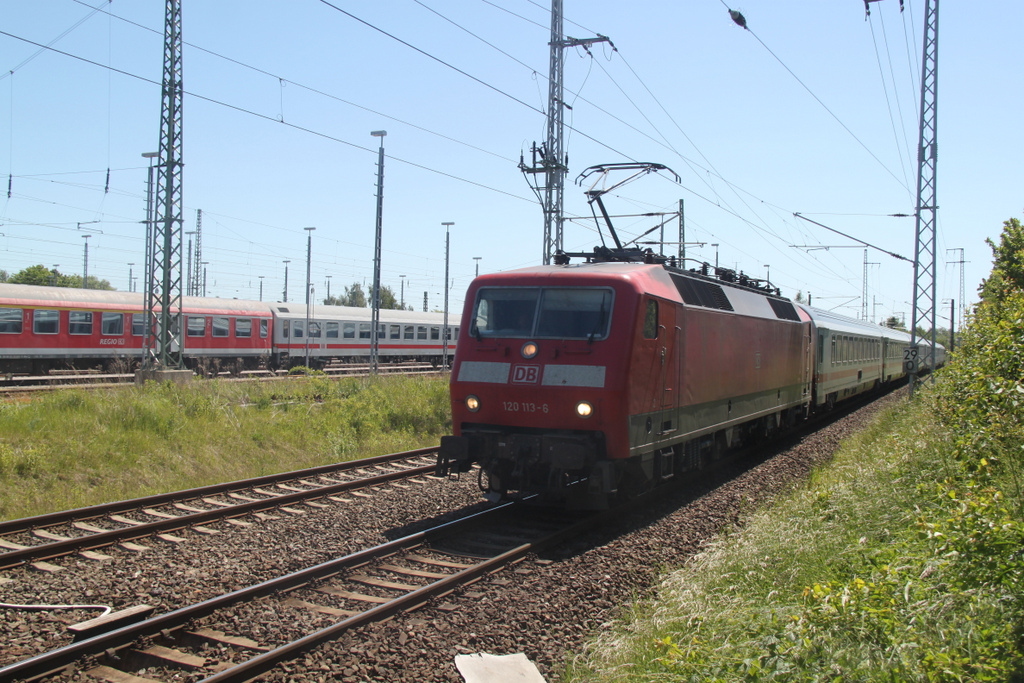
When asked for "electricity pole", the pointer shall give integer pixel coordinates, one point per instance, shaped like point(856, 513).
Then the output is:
point(163, 305)
point(923, 313)
point(550, 159)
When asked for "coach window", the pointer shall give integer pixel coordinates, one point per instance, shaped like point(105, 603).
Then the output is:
point(651, 320)
point(46, 322)
point(285, 328)
point(314, 330)
point(435, 333)
point(396, 332)
point(138, 324)
point(221, 326)
point(297, 329)
point(112, 324)
point(243, 327)
point(264, 328)
point(421, 332)
point(11, 320)
point(382, 331)
point(410, 332)
point(364, 330)
point(332, 331)
point(348, 330)
point(196, 325)
point(80, 322)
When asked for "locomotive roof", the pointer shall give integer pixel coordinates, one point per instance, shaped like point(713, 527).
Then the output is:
point(684, 287)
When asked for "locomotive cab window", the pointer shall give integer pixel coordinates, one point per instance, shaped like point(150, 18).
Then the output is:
point(11, 320)
point(551, 312)
point(80, 322)
point(46, 322)
point(651, 320)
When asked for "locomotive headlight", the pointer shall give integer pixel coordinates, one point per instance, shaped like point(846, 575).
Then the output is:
point(472, 403)
point(530, 349)
point(584, 409)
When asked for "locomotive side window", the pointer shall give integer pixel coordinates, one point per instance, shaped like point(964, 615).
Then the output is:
point(651, 320)
point(243, 327)
point(80, 322)
point(112, 324)
point(11, 320)
point(348, 330)
point(221, 326)
point(196, 325)
point(46, 322)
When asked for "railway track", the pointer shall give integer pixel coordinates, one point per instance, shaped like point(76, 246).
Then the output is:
point(28, 384)
point(212, 640)
point(85, 530)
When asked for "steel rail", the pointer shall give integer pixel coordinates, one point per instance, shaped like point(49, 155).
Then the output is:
point(53, 660)
point(98, 540)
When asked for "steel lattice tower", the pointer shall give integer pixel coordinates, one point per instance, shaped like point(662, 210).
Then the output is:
point(924, 305)
point(163, 304)
point(553, 163)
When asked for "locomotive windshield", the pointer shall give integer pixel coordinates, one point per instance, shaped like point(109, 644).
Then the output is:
point(549, 312)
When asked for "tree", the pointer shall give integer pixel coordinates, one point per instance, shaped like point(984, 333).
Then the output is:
point(894, 323)
point(799, 298)
point(1008, 263)
point(353, 296)
point(47, 277)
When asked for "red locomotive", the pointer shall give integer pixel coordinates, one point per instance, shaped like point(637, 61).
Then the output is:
point(583, 381)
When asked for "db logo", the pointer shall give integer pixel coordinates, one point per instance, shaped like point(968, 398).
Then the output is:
point(525, 374)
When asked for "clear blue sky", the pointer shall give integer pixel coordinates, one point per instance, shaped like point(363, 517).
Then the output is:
point(282, 96)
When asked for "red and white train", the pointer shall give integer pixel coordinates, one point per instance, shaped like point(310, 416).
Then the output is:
point(583, 381)
point(47, 328)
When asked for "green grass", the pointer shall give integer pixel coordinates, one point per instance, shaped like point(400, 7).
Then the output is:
point(77, 448)
point(891, 564)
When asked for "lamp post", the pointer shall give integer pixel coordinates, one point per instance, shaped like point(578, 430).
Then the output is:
point(444, 333)
point(329, 288)
point(205, 263)
point(189, 284)
point(477, 259)
point(284, 296)
point(309, 254)
point(130, 276)
point(402, 299)
point(261, 286)
point(53, 275)
point(375, 295)
point(85, 263)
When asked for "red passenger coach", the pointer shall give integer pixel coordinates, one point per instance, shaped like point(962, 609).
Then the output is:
point(581, 381)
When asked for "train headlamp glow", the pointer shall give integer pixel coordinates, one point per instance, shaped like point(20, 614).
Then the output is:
point(472, 403)
point(584, 409)
point(530, 349)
